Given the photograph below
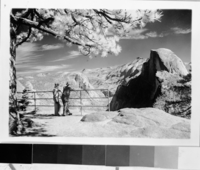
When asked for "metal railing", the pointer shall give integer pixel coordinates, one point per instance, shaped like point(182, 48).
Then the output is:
point(74, 98)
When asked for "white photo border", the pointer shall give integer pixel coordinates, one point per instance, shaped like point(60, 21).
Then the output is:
point(7, 5)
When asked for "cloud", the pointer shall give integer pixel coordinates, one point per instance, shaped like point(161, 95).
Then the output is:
point(28, 47)
point(140, 34)
point(143, 34)
point(152, 34)
point(73, 54)
point(69, 55)
point(60, 59)
point(28, 58)
point(50, 68)
point(178, 30)
point(41, 69)
point(27, 52)
point(135, 34)
point(51, 47)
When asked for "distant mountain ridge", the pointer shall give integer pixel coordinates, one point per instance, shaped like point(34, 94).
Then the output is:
point(108, 77)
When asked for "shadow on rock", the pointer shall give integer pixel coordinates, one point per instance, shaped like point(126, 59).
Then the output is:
point(36, 130)
point(42, 116)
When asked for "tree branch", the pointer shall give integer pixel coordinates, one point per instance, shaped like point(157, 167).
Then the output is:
point(38, 15)
point(187, 109)
point(31, 12)
point(26, 38)
point(46, 30)
point(108, 18)
point(25, 13)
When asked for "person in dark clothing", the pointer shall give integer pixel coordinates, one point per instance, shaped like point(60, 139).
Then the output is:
point(65, 99)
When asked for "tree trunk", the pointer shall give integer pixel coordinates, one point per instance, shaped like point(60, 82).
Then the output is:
point(15, 124)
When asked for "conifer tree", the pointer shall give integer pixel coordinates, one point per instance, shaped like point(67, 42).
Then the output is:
point(94, 31)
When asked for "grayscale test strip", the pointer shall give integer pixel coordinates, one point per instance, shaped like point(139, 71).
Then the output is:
point(98, 155)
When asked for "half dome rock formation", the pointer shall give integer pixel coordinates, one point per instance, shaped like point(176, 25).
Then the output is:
point(173, 63)
point(143, 86)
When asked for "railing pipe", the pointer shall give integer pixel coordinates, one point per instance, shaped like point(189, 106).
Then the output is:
point(81, 98)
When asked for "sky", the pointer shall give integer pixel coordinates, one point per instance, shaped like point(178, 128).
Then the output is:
point(52, 55)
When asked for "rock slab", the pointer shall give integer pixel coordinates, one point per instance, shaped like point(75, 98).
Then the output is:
point(144, 122)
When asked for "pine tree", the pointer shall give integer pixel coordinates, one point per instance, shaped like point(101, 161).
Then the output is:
point(94, 31)
point(23, 103)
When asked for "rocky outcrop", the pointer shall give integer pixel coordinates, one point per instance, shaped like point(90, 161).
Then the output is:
point(84, 84)
point(111, 77)
point(188, 66)
point(89, 92)
point(20, 87)
point(173, 63)
point(176, 94)
point(143, 122)
point(143, 87)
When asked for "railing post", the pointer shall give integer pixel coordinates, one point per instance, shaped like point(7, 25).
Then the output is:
point(108, 100)
point(34, 101)
point(81, 102)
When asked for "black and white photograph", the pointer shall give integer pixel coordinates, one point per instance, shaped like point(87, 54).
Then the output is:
point(100, 72)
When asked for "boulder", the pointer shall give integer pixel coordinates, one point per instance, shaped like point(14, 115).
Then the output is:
point(99, 116)
point(142, 90)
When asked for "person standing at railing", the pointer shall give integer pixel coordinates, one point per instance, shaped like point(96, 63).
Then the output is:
point(57, 99)
point(65, 99)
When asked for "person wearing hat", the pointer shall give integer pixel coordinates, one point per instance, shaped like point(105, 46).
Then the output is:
point(65, 99)
point(56, 97)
